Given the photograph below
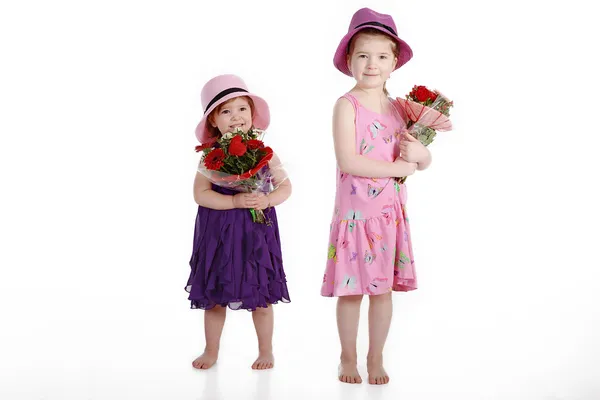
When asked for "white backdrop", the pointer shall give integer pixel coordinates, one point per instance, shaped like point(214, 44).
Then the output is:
point(99, 101)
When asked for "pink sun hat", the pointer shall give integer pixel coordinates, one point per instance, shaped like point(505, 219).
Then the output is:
point(223, 88)
point(367, 18)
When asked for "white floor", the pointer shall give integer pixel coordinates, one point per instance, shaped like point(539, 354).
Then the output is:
point(125, 348)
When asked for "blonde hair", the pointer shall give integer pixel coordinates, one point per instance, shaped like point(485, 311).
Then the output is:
point(213, 131)
point(374, 32)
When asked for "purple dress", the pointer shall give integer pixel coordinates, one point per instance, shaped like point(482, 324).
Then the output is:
point(235, 261)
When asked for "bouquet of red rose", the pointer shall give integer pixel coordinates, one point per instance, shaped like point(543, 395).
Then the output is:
point(426, 112)
point(239, 161)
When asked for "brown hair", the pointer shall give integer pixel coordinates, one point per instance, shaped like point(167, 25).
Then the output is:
point(374, 32)
point(213, 131)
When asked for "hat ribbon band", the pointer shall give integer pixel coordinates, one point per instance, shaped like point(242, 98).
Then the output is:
point(223, 94)
point(377, 24)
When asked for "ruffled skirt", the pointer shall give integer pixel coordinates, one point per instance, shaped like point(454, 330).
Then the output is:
point(236, 262)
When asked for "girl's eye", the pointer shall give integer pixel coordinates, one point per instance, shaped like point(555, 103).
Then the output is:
point(383, 57)
point(362, 56)
point(225, 112)
point(243, 109)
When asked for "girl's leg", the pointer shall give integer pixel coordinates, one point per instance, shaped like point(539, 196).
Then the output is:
point(263, 323)
point(348, 314)
point(380, 316)
point(214, 319)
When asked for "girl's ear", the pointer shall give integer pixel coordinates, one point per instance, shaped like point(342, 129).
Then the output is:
point(348, 64)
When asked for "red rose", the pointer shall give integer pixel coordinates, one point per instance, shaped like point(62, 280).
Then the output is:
point(248, 174)
point(254, 144)
point(236, 147)
point(265, 160)
point(214, 159)
point(413, 91)
point(422, 94)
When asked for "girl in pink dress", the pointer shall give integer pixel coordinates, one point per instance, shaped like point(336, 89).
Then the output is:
point(370, 246)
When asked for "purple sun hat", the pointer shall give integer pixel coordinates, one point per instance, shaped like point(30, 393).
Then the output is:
point(367, 18)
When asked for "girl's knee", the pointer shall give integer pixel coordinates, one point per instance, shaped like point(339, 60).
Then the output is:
point(350, 299)
point(380, 298)
point(263, 310)
point(218, 309)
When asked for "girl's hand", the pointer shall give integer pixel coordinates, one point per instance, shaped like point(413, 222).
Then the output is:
point(411, 149)
point(405, 168)
point(244, 200)
point(261, 201)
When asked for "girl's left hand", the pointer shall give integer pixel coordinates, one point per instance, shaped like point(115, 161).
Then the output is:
point(261, 201)
point(411, 149)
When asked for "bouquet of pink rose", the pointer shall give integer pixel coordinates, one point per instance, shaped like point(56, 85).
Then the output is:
point(426, 112)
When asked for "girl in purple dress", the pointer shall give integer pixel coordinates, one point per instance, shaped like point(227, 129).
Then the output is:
point(235, 263)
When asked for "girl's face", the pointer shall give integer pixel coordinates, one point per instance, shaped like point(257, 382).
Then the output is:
point(235, 113)
point(372, 60)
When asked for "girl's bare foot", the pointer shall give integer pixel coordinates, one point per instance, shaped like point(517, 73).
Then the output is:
point(214, 319)
point(348, 313)
point(265, 360)
point(377, 375)
point(348, 373)
point(206, 360)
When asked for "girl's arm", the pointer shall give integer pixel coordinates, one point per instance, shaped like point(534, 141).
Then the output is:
point(283, 192)
point(206, 197)
point(412, 149)
point(344, 138)
point(425, 162)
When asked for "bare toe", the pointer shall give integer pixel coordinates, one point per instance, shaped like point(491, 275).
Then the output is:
point(348, 373)
point(206, 360)
point(264, 361)
point(377, 374)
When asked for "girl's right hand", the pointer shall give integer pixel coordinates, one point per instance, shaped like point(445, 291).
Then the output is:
point(405, 168)
point(244, 200)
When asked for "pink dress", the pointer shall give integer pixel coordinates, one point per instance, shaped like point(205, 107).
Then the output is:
point(370, 249)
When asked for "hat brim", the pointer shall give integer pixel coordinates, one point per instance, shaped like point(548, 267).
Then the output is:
point(260, 114)
point(340, 60)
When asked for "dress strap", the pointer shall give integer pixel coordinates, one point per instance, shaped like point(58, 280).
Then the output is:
point(352, 100)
